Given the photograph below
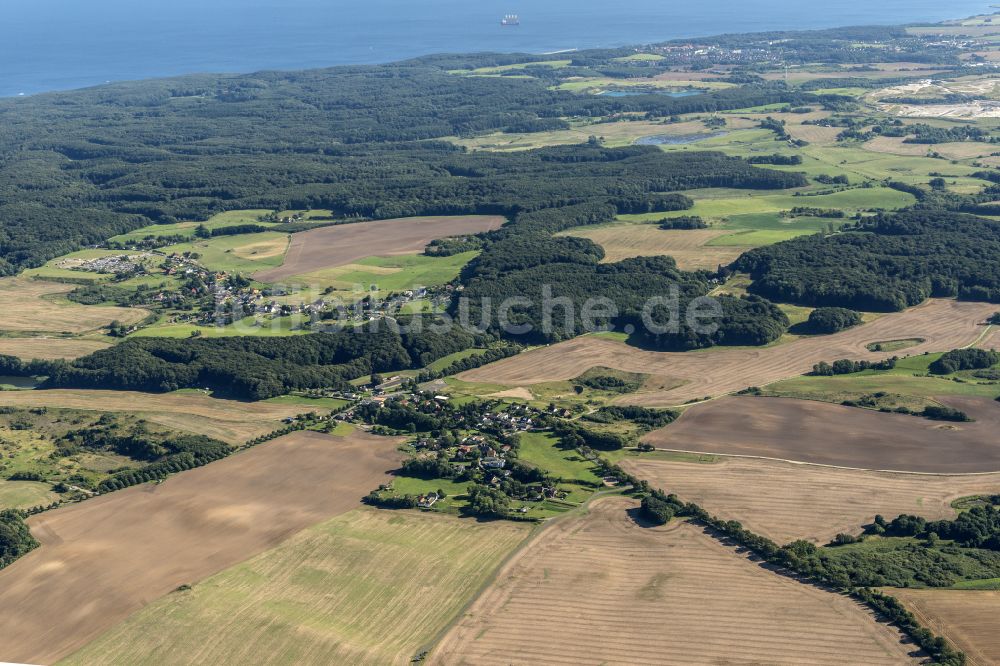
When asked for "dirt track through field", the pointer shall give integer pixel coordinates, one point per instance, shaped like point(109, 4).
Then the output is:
point(599, 589)
point(943, 324)
point(967, 618)
point(105, 558)
point(329, 247)
point(828, 434)
point(787, 501)
point(231, 421)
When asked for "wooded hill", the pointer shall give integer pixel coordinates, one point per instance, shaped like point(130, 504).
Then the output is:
point(893, 261)
point(79, 167)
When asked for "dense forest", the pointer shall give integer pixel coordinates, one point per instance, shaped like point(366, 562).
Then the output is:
point(15, 537)
point(255, 368)
point(79, 167)
point(892, 261)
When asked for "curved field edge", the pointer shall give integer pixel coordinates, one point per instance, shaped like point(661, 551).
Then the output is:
point(368, 587)
point(621, 593)
point(943, 324)
point(785, 501)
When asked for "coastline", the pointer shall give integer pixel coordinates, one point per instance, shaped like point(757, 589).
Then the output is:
point(166, 52)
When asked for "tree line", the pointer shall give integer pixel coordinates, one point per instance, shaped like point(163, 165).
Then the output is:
point(890, 262)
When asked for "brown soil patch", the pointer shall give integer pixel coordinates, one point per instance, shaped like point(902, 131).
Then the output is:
point(967, 618)
point(329, 247)
point(518, 392)
point(49, 348)
point(262, 250)
point(37, 305)
point(787, 501)
point(106, 558)
point(828, 434)
point(686, 246)
point(231, 421)
point(600, 589)
point(942, 324)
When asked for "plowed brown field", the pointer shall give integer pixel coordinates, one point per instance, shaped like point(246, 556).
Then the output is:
point(328, 247)
point(600, 589)
point(106, 558)
point(828, 434)
point(787, 501)
point(942, 324)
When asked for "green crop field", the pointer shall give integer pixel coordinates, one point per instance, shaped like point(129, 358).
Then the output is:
point(244, 253)
point(541, 450)
point(263, 326)
point(908, 381)
point(368, 587)
point(25, 494)
point(445, 361)
point(396, 273)
point(736, 209)
point(227, 219)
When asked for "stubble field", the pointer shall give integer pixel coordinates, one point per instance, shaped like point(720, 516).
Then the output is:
point(231, 421)
point(942, 324)
point(50, 348)
point(39, 306)
point(967, 618)
point(104, 559)
point(687, 247)
point(786, 501)
point(600, 589)
point(367, 587)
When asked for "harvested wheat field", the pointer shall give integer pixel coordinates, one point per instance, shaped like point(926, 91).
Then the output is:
point(231, 421)
point(686, 246)
point(104, 559)
point(37, 305)
point(815, 134)
point(49, 349)
point(943, 324)
point(828, 434)
point(967, 618)
point(600, 589)
point(367, 587)
point(786, 501)
point(329, 247)
point(895, 146)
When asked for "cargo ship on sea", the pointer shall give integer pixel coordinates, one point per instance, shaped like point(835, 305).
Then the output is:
point(510, 19)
